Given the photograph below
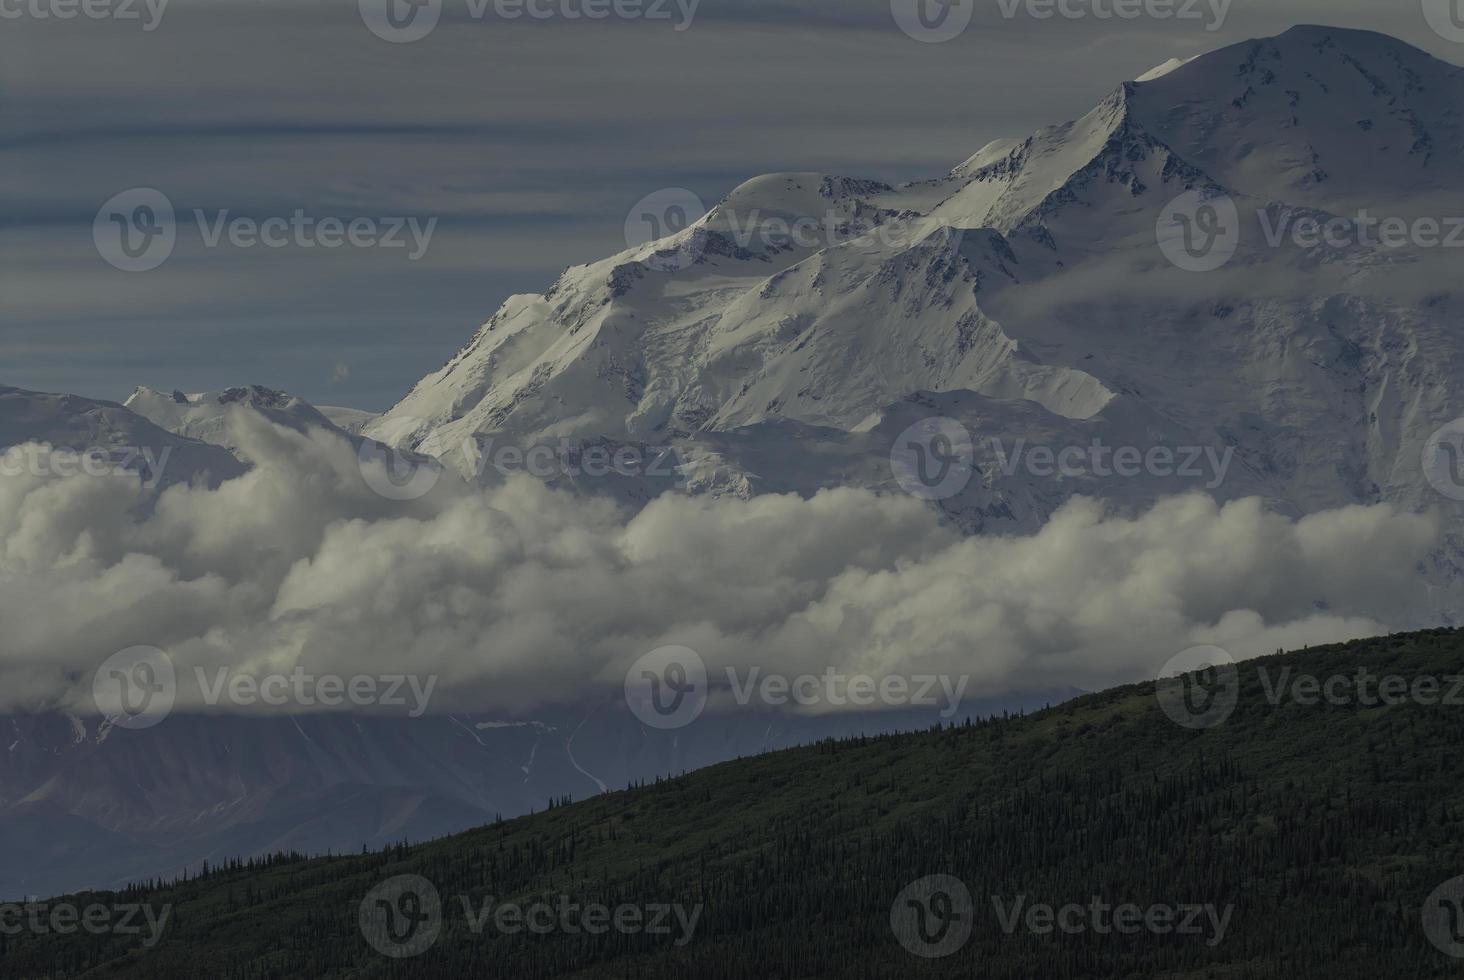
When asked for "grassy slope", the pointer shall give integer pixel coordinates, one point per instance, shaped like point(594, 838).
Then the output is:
point(1325, 827)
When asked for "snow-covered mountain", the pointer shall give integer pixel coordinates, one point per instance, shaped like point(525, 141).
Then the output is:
point(107, 430)
point(351, 420)
point(1026, 295)
point(205, 416)
point(812, 331)
point(202, 416)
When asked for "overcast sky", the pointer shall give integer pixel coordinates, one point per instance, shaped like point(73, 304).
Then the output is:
point(527, 141)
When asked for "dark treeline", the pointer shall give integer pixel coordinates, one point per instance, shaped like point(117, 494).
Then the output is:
point(1322, 827)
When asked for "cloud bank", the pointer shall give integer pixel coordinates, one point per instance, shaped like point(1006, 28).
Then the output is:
point(519, 596)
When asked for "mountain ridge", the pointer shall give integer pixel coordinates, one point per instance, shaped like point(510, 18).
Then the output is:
point(1132, 139)
point(1306, 377)
point(1321, 832)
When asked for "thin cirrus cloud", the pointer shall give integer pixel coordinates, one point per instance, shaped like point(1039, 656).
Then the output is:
point(528, 141)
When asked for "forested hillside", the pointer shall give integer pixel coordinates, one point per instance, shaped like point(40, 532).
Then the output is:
point(1303, 835)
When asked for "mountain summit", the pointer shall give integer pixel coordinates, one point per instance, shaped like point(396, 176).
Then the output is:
point(1027, 295)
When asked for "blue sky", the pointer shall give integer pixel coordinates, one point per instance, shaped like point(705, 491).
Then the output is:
point(526, 142)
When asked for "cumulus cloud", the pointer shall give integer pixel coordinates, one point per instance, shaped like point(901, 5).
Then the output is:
point(519, 596)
